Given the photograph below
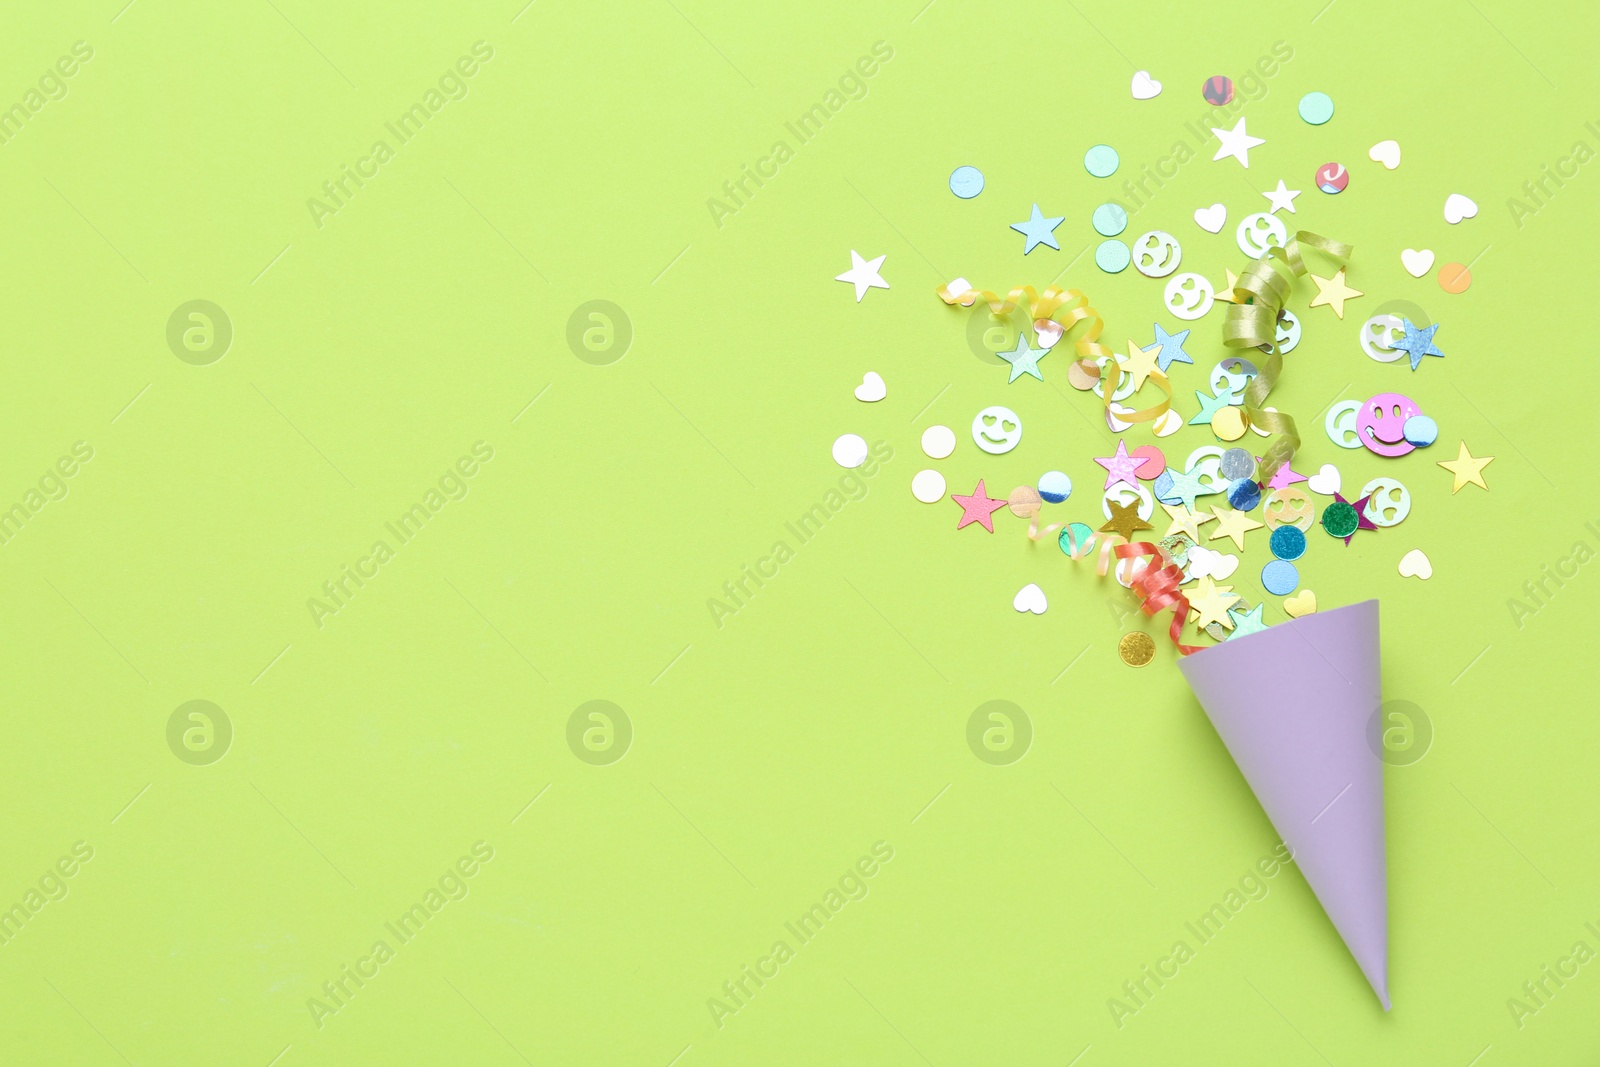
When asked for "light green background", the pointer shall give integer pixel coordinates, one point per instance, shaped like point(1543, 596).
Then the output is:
point(830, 712)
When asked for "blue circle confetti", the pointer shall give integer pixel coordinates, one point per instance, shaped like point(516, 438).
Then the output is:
point(1280, 578)
point(1244, 495)
point(1288, 542)
point(1110, 219)
point(1055, 487)
point(1102, 161)
point(1316, 108)
point(1112, 256)
point(1421, 431)
point(966, 182)
point(1162, 488)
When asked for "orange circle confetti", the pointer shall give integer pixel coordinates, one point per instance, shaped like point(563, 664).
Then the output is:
point(1455, 278)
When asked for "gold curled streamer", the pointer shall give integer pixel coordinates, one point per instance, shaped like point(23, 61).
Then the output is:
point(1252, 322)
point(1111, 379)
point(1043, 307)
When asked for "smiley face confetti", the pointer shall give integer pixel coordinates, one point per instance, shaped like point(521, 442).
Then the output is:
point(996, 430)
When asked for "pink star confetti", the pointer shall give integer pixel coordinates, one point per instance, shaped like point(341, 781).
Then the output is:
point(1121, 467)
point(979, 507)
point(1285, 477)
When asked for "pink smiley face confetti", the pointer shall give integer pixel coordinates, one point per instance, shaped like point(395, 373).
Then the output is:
point(1381, 423)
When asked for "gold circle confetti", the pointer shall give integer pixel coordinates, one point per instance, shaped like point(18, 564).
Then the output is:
point(1454, 278)
point(1083, 375)
point(1228, 424)
point(1136, 648)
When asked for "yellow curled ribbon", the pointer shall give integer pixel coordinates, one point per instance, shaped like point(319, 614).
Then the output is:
point(1043, 307)
point(1258, 298)
point(1111, 379)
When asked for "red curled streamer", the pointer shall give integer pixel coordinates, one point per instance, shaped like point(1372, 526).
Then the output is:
point(1157, 585)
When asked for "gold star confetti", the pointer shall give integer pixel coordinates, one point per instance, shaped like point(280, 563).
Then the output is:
point(1226, 292)
point(1210, 603)
point(1187, 521)
point(1466, 468)
point(1234, 524)
point(1141, 363)
point(1333, 292)
point(1125, 520)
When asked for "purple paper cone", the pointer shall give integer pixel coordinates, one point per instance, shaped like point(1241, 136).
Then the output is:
point(1292, 704)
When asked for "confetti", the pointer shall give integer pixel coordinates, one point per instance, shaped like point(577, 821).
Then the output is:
point(1186, 521)
point(1210, 603)
point(1102, 161)
point(1466, 468)
point(1246, 623)
point(1030, 598)
point(1388, 502)
point(1152, 462)
point(996, 430)
point(1332, 178)
point(1288, 543)
point(1280, 577)
point(1458, 207)
point(938, 441)
point(863, 274)
point(1024, 359)
point(1110, 219)
point(1211, 219)
point(1417, 262)
point(871, 390)
point(850, 451)
point(966, 182)
point(1415, 564)
point(1124, 520)
point(1316, 108)
point(1171, 347)
point(928, 486)
point(1217, 90)
point(1259, 232)
point(1455, 278)
point(979, 508)
point(1288, 507)
point(1417, 342)
point(1112, 256)
point(1301, 604)
point(1055, 487)
point(1421, 430)
point(1234, 524)
point(1209, 563)
point(1333, 292)
point(1143, 86)
point(1378, 335)
point(1385, 152)
point(1236, 142)
point(1282, 198)
point(1325, 482)
point(1342, 519)
point(1189, 296)
point(1341, 424)
point(1120, 467)
point(1136, 648)
point(1381, 424)
point(1039, 230)
point(1156, 254)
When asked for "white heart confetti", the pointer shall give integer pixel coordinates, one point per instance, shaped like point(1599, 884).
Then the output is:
point(1144, 87)
point(1325, 481)
point(871, 390)
point(1458, 207)
point(1417, 262)
point(1211, 219)
point(1206, 563)
point(1415, 564)
point(1385, 152)
point(1030, 598)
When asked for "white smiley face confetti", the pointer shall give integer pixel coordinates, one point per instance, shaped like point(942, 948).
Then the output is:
point(1189, 296)
point(1211, 219)
point(871, 390)
point(1341, 423)
point(1156, 254)
point(1030, 598)
point(1144, 87)
point(996, 430)
point(1259, 232)
point(1388, 501)
point(850, 451)
point(1458, 207)
point(1385, 152)
point(928, 486)
point(938, 441)
point(1415, 564)
point(1378, 335)
point(1288, 335)
point(1417, 262)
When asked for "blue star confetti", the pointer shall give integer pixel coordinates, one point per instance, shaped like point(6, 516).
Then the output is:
point(1171, 347)
point(1039, 230)
point(1418, 343)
